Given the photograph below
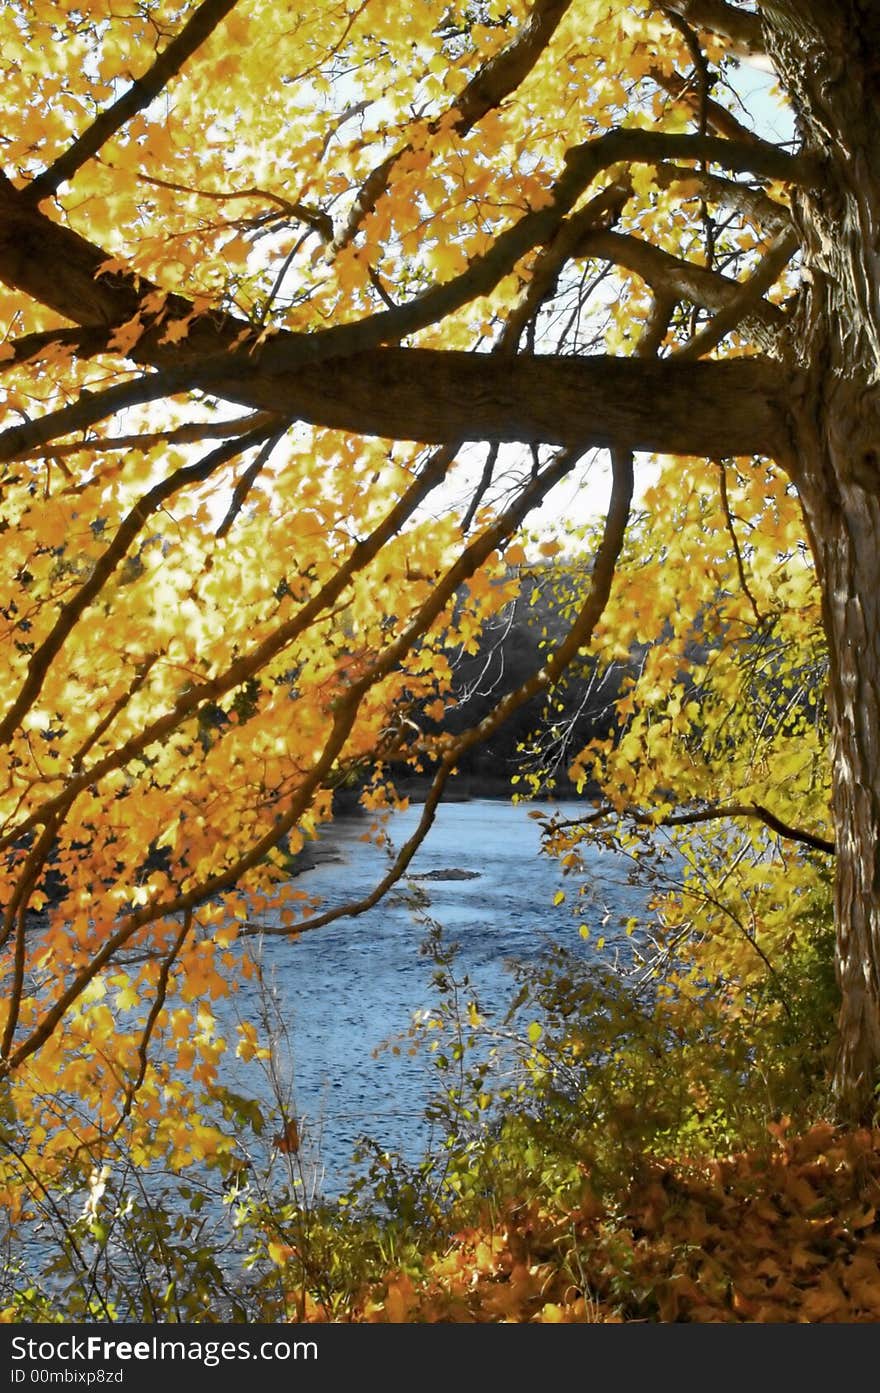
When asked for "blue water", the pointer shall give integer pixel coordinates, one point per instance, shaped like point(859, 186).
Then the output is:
point(342, 994)
point(338, 1003)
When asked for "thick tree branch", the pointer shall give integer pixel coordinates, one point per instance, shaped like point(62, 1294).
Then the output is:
point(725, 193)
point(142, 91)
point(83, 343)
point(740, 27)
point(64, 271)
point(747, 300)
point(436, 396)
point(673, 275)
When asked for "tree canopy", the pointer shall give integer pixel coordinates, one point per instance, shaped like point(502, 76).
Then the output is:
point(306, 311)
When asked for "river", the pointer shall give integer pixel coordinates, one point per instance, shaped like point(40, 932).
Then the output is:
point(346, 990)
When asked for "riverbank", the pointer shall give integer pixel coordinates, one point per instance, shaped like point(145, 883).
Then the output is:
point(465, 788)
point(785, 1233)
point(504, 902)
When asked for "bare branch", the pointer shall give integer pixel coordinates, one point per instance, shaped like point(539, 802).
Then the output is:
point(737, 549)
point(141, 673)
point(598, 214)
point(715, 814)
point(133, 1087)
point(480, 491)
point(178, 435)
point(315, 218)
point(15, 915)
point(244, 485)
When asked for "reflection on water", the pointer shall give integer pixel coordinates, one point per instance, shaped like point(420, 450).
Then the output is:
point(349, 987)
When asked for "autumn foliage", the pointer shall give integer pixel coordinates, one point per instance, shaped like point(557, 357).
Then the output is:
point(306, 314)
point(788, 1235)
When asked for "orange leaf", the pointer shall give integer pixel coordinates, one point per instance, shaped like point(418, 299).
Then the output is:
point(288, 1140)
point(399, 1300)
point(824, 1300)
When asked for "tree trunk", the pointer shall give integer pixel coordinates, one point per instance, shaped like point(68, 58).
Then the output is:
point(845, 528)
point(827, 56)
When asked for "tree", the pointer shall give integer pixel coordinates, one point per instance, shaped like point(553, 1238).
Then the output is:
point(386, 232)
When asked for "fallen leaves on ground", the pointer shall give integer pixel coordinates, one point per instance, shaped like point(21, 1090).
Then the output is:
point(791, 1234)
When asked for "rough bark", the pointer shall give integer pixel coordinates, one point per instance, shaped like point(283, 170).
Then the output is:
point(440, 396)
point(827, 55)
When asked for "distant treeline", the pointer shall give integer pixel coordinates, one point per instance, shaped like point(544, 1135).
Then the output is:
point(542, 736)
